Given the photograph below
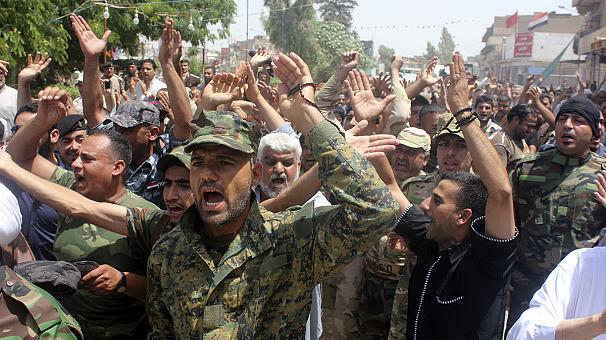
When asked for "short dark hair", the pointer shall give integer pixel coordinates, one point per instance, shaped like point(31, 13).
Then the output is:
point(120, 147)
point(522, 111)
point(431, 108)
point(32, 108)
point(472, 192)
point(149, 61)
point(484, 99)
point(503, 98)
point(545, 95)
point(420, 100)
point(184, 61)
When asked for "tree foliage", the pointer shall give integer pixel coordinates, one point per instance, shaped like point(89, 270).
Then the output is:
point(446, 46)
point(43, 25)
point(431, 51)
point(290, 24)
point(340, 11)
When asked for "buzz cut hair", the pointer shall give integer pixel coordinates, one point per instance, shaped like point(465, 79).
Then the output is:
point(279, 142)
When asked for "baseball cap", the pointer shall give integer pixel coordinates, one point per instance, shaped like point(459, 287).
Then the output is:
point(178, 155)
point(223, 128)
point(415, 138)
point(59, 278)
point(71, 123)
point(447, 125)
point(134, 112)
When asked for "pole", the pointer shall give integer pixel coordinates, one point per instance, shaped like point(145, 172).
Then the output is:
point(105, 30)
point(247, 29)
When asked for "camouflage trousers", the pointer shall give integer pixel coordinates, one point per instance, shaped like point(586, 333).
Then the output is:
point(340, 301)
point(376, 303)
point(397, 329)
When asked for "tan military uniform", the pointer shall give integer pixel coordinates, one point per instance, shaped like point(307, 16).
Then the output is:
point(511, 151)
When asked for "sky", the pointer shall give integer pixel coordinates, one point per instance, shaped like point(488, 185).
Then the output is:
point(474, 17)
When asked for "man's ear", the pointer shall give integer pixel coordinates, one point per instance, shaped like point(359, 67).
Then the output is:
point(54, 136)
point(153, 133)
point(464, 216)
point(118, 168)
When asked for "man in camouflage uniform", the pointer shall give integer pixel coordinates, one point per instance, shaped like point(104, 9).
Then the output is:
point(28, 311)
point(256, 280)
point(388, 261)
point(510, 141)
point(554, 203)
point(452, 156)
point(98, 174)
point(139, 122)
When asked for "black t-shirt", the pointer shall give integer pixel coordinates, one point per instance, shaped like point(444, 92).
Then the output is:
point(457, 293)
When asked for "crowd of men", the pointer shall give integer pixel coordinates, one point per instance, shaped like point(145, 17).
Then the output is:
point(258, 204)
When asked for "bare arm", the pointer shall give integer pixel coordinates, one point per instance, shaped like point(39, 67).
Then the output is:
point(500, 222)
point(106, 215)
point(426, 79)
point(272, 118)
point(92, 94)
point(523, 97)
point(32, 71)
point(401, 106)
point(179, 103)
point(535, 94)
point(298, 193)
point(582, 328)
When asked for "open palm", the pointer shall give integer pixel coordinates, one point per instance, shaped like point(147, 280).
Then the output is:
point(34, 66)
point(363, 102)
point(89, 43)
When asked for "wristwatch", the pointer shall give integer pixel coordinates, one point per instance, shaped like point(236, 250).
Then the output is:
point(121, 287)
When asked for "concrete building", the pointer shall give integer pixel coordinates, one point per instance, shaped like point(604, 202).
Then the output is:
point(510, 54)
point(592, 37)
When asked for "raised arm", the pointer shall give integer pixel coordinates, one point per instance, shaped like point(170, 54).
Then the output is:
point(499, 208)
point(535, 95)
point(426, 79)
point(92, 94)
point(106, 215)
point(400, 110)
point(363, 102)
point(179, 103)
point(272, 118)
point(24, 144)
point(327, 96)
point(524, 96)
point(34, 68)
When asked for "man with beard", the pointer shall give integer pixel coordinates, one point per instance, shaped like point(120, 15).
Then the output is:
point(67, 137)
point(483, 109)
point(278, 162)
point(411, 154)
point(509, 142)
point(553, 194)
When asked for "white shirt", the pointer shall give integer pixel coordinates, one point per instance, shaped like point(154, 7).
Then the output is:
point(154, 86)
point(575, 289)
point(8, 106)
point(10, 216)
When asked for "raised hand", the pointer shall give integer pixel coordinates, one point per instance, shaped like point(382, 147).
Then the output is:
point(34, 66)
point(458, 92)
point(396, 62)
point(382, 83)
point(252, 90)
point(293, 71)
point(426, 75)
point(535, 93)
point(363, 102)
point(52, 107)
point(530, 79)
point(262, 56)
point(600, 194)
point(223, 89)
point(171, 43)
point(371, 146)
point(3, 66)
point(349, 60)
point(90, 45)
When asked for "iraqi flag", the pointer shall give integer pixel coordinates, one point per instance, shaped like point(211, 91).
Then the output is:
point(537, 20)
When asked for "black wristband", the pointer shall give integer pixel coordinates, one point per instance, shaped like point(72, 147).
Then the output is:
point(466, 120)
point(463, 110)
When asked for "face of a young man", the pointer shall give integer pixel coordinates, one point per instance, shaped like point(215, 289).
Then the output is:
point(108, 72)
point(208, 75)
point(148, 71)
point(221, 181)
point(69, 144)
point(184, 67)
point(95, 167)
point(138, 136)
point(484, 111)
point(526, 127)
point(573, 135)
point(429, 123)
point(177, 192)
point(278, 170)
point(452, 154)
point(407, 162)
point(441, 208)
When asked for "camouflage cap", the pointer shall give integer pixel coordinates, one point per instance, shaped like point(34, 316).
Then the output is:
point(134, 112)
point(415, 138)
point(224, 128)
point(178, 155)
point(447, 125)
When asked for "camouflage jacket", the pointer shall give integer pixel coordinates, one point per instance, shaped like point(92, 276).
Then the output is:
point(555, 208)
point(28, 311)
point(261, 287)
point(419, 188)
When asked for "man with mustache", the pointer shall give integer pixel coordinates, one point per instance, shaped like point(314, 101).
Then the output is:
point(278, 162)
point(554, 202)
point(411, 154)
point(510, 142)
point(67, 137)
